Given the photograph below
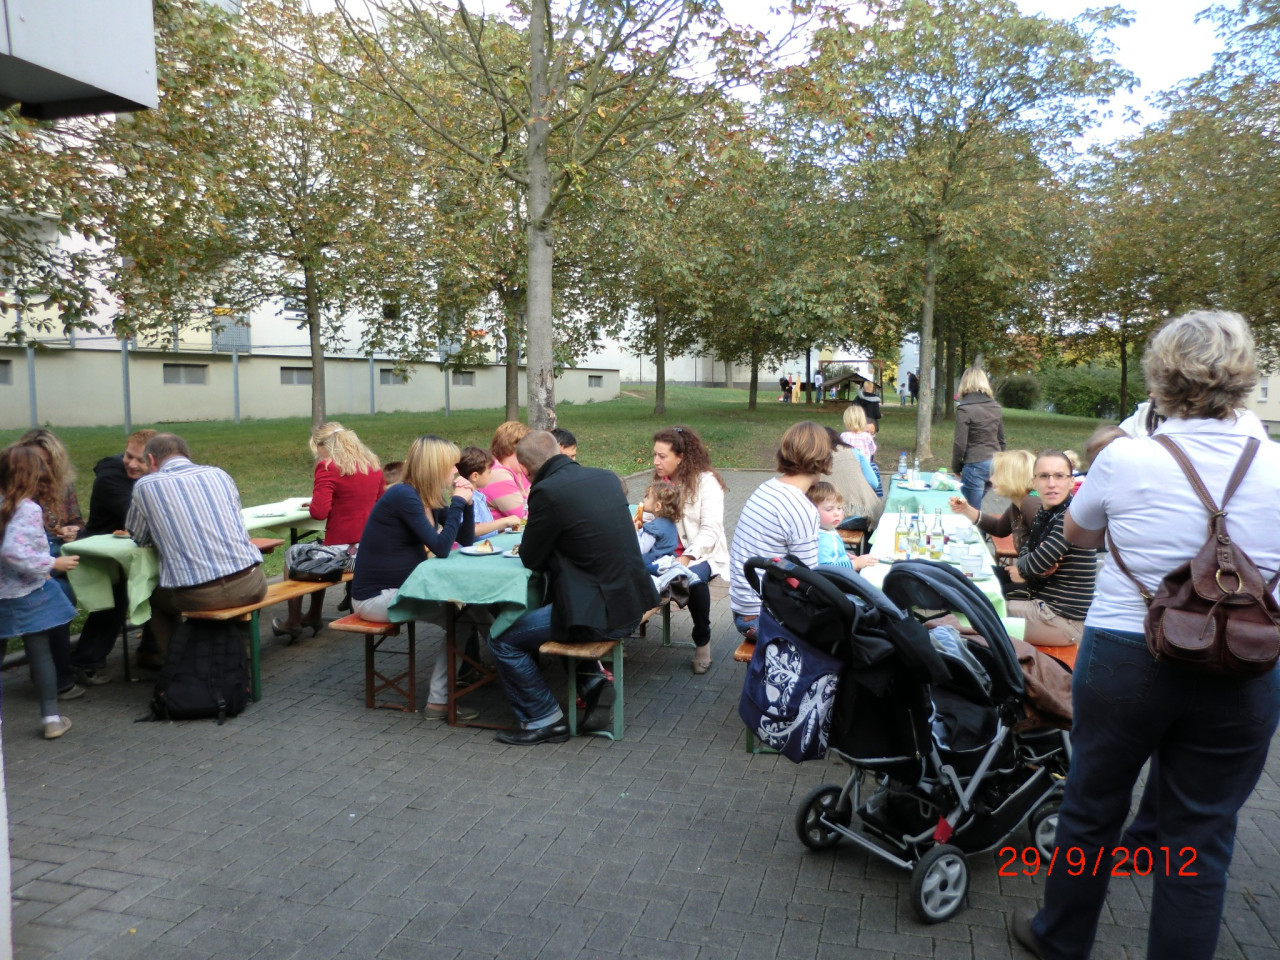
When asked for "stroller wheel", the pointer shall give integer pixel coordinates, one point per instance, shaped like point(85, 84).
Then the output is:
point(939, 883)
point(810, 828)
point(1044, 826)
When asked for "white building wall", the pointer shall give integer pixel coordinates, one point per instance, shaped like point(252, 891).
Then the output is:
point(77, 387)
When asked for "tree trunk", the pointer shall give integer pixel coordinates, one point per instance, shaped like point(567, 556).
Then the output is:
point(951, 372)
point(1124, 370)
point(513, 364)
point(754, 385)
point(808, 375)
point(728, 373)
point(539, 367)
point(924, 409)
point(939, 354)
point(312, 294)
point(659, 357)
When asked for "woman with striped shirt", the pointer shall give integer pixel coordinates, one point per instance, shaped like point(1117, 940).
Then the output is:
point(1059, 578)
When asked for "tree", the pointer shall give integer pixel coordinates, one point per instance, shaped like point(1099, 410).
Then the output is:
point(248, 184)
point(47, 285)
point(592, 88)
point(939, 112)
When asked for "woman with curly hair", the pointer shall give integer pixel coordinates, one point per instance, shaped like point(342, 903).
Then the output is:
point(681, 458)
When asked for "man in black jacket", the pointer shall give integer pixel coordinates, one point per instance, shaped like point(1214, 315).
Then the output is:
point(580, 534)
point(113, 480)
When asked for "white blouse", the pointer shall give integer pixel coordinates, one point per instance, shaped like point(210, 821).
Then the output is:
point(701, 526)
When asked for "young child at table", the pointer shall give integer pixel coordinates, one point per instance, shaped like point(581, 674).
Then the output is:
point(391, 473)
point(31, 604)
point(476, 465)
point(831, 549)
point(656, 523)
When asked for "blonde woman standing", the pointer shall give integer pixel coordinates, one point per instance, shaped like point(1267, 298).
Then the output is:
point(979, 435)
point(348, 482)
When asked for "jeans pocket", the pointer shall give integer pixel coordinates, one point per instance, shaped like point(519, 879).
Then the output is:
point(1120, 670)
point(1260, 699)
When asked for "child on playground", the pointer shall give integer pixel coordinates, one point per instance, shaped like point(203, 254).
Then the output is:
point(831, 549)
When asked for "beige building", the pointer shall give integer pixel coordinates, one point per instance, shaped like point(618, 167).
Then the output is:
point(1265, 403)
point(73, 386)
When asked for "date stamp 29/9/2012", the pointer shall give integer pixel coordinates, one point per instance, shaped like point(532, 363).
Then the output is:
point(1116, 861)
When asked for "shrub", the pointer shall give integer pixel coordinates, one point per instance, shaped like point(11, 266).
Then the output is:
point(1089, 390)
point(1022, 392)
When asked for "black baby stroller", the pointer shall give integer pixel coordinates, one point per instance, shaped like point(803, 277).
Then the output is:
point(930, 723)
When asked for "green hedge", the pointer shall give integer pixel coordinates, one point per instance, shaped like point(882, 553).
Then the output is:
point(1089, 390)
point(1022, 392)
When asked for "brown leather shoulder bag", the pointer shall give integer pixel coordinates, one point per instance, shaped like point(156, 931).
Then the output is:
point(1215, 612)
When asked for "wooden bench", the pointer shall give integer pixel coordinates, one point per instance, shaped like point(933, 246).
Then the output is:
point(266, 545)
point(375, 681)
point(663, 607)
point(279, 592)
point(607, 651)
point(746, 650)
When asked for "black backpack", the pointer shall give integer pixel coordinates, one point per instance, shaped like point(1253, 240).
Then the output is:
point(206, 673)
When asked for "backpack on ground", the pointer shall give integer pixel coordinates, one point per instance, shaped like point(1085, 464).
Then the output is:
point(206, 673)
point(1214, 612)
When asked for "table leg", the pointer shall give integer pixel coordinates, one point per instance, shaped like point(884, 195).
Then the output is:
point(487, 675)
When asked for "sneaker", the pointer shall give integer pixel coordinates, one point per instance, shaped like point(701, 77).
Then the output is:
point(465, 714)
point(56, 728)
point(73, 692)
point(92, 677)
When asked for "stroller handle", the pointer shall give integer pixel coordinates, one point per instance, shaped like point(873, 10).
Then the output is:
point(783, 568)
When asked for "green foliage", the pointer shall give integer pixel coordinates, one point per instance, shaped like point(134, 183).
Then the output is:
point(1089, 390)
point(1021, 391)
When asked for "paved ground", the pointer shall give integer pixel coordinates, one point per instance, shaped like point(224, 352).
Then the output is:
point(311, 827)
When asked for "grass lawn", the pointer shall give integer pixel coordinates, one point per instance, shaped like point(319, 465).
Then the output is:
point(269, 459)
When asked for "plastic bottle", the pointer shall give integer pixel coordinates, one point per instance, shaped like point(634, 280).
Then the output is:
point(902, 464)
point(900, 536)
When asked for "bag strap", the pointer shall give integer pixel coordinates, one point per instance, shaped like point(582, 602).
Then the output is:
point(1242, 467)
point(1216, 513)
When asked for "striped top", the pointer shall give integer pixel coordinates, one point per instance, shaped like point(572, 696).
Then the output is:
point(192, 515)
point(775, 521)
point(1068, 590)
point(508, 492)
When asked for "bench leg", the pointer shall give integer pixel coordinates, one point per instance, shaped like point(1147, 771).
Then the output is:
point(403, 683)
point(255, 660)
point(619, 687)
point(615, 660)
point(666, 624)
point(571, 700)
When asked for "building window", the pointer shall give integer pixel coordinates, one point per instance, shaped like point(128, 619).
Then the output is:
point(6, 372)
point(186, 373)
point(1262, 388)
point(464, 378)
point(390, 378)
point(296, 376)
point(594, 380)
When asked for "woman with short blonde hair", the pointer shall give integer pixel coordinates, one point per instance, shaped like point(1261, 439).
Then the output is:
point(333, 443)
point(979, 435)
point(1211, 732)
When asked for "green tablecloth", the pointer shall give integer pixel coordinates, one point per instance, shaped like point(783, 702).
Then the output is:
point(500, 583)
point(103, 560)
point(281, 519)
point(902, 500)
point(954, 524)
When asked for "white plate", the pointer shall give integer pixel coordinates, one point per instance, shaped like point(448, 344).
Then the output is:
point(512, 554)
point(477, 552)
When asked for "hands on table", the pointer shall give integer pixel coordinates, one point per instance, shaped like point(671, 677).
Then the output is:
point(63, 564)
point(865, 560)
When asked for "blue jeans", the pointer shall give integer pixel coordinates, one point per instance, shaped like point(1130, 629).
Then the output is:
point(973, 482)
point(1209, 736)
point(522, 681)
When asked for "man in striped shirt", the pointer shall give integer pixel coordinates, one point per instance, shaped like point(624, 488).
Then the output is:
point(191, 514)
point(778, 518)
